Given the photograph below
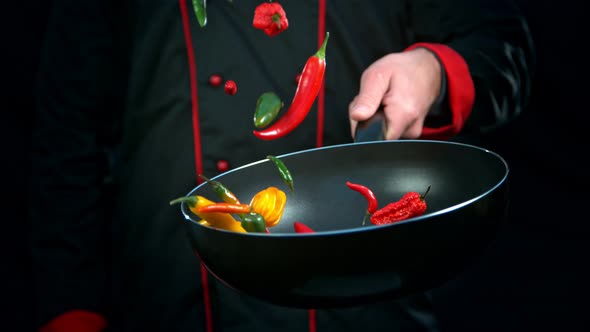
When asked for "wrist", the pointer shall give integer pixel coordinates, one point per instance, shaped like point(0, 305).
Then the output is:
point(433, 68)
point(460, 90)
point(439, 113)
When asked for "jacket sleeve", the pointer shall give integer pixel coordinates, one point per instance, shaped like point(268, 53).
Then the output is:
point(484, 46)
point(69, 218)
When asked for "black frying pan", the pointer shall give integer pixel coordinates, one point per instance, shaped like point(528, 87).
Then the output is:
point(344, 263)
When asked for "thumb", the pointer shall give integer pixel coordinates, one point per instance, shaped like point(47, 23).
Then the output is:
point(373, 87)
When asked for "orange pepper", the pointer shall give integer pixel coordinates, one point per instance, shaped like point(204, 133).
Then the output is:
point(270, 203)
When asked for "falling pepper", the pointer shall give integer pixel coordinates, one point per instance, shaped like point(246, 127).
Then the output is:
point(283, 170)
point(221, 191)
point(412, 204)
point(372, 203)
point(200, 8)
point(270, 203)
point(271, 18)
point(268, 106)
point(214, 219)
point(308, 88)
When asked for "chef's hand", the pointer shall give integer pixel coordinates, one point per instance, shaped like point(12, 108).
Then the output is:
point(406, 84)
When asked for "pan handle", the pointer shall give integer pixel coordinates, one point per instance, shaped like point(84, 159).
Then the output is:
point(372, 129)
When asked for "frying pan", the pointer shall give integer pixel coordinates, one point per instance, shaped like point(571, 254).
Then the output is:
point(344, 263)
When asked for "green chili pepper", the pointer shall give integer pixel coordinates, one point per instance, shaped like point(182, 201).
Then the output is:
point(253, 223)
point(285, 174)
point(222, 191)
point(200, 7)
point(267, 109)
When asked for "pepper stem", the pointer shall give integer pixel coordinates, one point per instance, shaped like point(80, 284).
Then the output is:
point(321, 53)
point(365, 218)
point(190, 200)
point(277, 19)
point(426, 193)
point(204, 178)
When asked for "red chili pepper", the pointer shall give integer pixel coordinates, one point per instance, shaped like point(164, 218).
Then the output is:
point(372, 203)
point(307, 90)
point(271, 18)
point(302, 228)
point(412, 204)
point(230, 87)
point(225, 207)
point(215, 80)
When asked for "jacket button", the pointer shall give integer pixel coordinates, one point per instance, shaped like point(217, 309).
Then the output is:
point(222, 166)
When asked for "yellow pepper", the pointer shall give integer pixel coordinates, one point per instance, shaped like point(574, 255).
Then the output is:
point(214, 219)
point(270, 203)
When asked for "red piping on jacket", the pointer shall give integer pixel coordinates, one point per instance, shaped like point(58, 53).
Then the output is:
point(197, 143)
point(194, 92)
point(320, 124)
point(197, 135)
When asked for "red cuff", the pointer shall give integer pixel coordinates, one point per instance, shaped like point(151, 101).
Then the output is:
point(76, 321)
point(461, 91)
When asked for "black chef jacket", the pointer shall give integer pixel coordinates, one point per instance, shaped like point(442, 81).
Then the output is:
point(127, 119)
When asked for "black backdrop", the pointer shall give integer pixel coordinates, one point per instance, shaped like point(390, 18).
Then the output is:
point(533, 277)
point(21, 27)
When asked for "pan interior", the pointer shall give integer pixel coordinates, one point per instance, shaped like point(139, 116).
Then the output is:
point(455, 172)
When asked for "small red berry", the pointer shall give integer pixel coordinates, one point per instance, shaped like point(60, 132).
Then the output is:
point(222, 166)
point(215, 80)
point(230, 87)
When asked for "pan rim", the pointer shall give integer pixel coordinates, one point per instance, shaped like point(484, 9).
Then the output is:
point(369, 228)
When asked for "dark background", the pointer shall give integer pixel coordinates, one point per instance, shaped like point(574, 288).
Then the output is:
point(533, 277)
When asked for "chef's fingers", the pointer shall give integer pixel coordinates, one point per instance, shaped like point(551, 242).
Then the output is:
point(402, 121)
point(373, 86)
